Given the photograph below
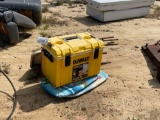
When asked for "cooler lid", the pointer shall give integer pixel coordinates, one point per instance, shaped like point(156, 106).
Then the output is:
point(61, 46)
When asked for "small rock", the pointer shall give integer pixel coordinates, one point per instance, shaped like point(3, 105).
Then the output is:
point(136, 23)
point(136, 46)
point(83, 108)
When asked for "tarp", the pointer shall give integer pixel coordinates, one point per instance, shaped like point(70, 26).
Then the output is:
point(75, 89)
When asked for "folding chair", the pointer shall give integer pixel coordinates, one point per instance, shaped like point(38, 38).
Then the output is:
point(30, 8)
point(9, 20)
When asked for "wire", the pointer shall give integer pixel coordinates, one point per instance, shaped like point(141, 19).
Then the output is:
point(14, 96)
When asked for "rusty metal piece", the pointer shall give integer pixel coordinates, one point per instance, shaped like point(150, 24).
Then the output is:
point(106, 37)
point(153, 52)
point(104, 52)
point(110, 39)
point(104, 62)
point(158, 75)
point(110, 43)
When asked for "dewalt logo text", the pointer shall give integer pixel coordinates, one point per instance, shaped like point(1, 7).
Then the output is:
point(80, 60)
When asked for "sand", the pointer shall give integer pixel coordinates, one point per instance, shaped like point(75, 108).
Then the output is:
point(130, 93)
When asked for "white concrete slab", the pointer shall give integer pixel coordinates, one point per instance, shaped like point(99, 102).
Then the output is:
point(106, 16)
point(105, 5)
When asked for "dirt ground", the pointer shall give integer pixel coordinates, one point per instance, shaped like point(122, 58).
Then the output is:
point(130, 93)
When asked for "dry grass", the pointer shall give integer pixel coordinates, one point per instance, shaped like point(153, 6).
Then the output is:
point(61, 2)
point(45, 34)
point(45, 9)
point(56, 2)
point(46, 26)
point(5, 68)
point(53, 21)
point(156, 13)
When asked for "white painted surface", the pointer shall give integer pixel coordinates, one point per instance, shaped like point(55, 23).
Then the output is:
point(117, 15)
point(157, 3)
point(104, 5)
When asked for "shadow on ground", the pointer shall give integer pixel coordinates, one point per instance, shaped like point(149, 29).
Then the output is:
point(32, 76)
point(35, 97)
point(32, 96)
point(88, 21)
point(22, 36)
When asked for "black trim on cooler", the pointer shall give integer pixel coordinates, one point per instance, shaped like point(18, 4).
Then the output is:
point(96, 53)
point(67, 60)
point(48, 55)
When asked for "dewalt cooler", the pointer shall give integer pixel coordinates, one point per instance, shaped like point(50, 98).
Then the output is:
point(70, 58)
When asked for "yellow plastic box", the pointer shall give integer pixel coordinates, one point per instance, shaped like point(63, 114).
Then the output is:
point(70, 58)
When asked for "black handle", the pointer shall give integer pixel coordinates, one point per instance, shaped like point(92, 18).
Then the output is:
point(71, 38)
point(48, 55)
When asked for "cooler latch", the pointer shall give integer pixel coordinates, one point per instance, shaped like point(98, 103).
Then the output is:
point(96, 53)
point(48, 55)
point(67, 60)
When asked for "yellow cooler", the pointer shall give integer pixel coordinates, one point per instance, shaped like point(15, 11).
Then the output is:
point(69, 58)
